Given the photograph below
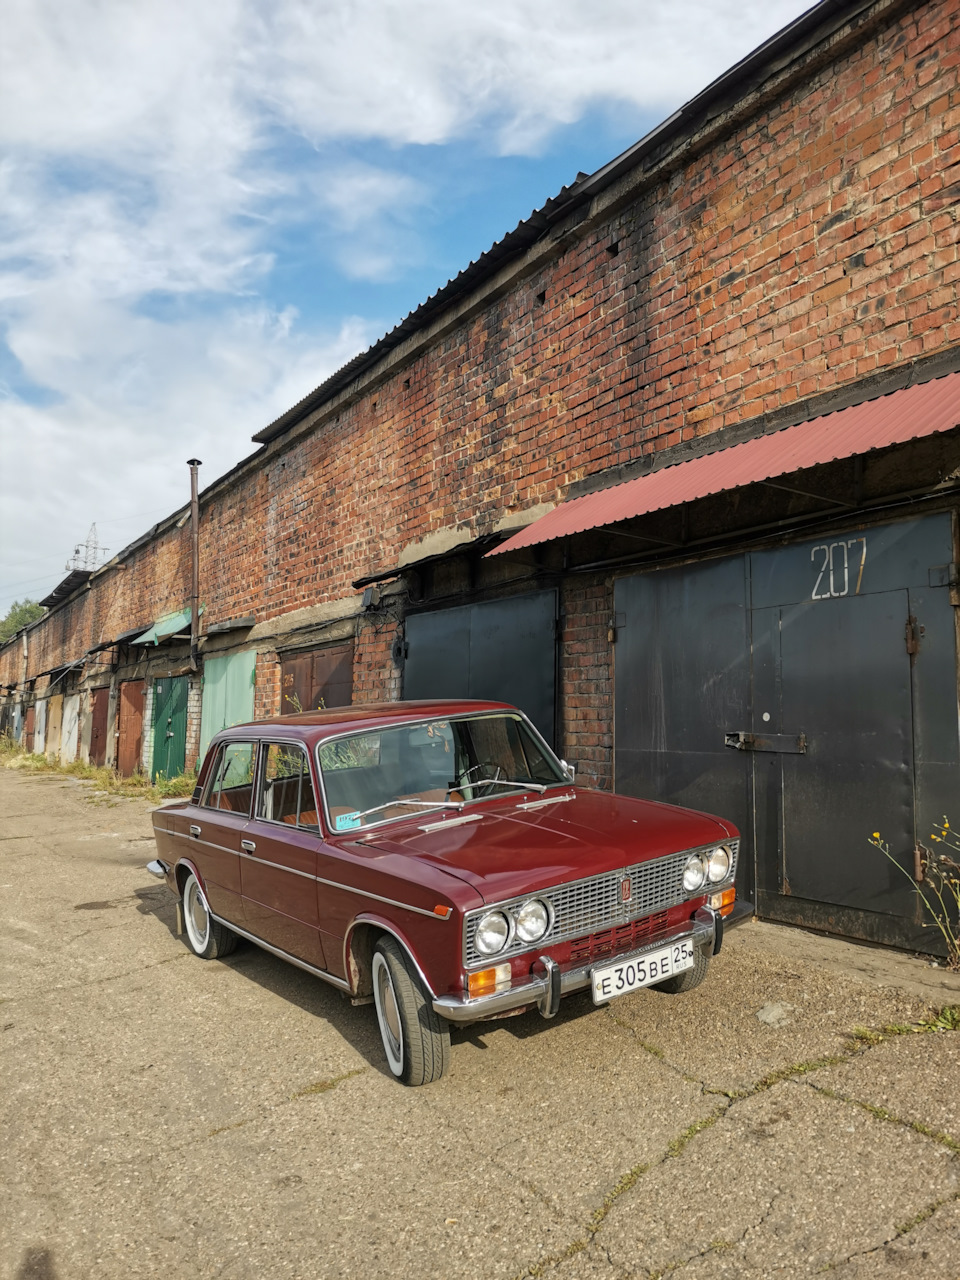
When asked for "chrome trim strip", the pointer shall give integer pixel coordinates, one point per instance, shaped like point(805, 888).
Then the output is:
point(334, 884)
point(283, 955)
point(195, 840)
point(278, 866)
point(392, 902)
point(453, 822)
point(539, 804)
point(538, 990)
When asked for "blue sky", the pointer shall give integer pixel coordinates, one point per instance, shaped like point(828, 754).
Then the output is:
point(206, 210)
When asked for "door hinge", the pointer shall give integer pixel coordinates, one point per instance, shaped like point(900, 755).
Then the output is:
point(942, 575)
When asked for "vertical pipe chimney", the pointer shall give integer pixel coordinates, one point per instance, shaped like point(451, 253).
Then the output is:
point(193, 464)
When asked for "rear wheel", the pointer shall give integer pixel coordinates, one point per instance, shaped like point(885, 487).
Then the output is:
point(689, 979)
point(416, 1040)
point(206, 937)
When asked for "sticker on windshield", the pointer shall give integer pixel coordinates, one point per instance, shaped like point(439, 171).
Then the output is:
point(343, 821)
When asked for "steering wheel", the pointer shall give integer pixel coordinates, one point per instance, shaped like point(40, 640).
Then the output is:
point(488, 771)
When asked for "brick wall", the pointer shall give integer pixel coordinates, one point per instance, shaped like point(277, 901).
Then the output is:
point(586, 680)
point(811, 245)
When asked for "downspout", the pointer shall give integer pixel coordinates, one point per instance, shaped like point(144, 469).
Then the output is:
point(193, 464)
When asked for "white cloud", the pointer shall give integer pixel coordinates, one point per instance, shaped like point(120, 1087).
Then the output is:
point(144, 177)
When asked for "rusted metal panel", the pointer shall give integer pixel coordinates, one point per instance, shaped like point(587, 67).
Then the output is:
point(54, 725)
point(877, 424)
point(29, 727)
point(319, 677)
point(130, 726)
point(100, 700)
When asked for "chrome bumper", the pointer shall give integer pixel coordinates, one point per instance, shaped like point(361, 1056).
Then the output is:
point(158, 868)
point(546, 990)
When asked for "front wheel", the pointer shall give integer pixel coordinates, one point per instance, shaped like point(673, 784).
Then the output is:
point(416, 1040)
point(206, 937)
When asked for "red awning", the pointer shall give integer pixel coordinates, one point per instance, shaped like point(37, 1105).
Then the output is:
point(892, 419)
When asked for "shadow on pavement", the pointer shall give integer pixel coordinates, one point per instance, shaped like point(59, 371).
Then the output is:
point(356, 1024)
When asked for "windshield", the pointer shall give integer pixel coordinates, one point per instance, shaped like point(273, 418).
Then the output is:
point(385, 774)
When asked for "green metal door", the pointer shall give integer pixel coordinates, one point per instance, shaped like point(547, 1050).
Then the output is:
point(227, 693)
point(169, 726)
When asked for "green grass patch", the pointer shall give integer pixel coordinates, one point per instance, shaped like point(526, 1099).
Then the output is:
point(101, 779)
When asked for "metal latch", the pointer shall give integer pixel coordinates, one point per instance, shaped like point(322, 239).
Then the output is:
point(912, 635)
point(788, 744)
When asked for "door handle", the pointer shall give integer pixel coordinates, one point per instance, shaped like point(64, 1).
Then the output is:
point(784, 743)
point(248, 845)
point(194, 831)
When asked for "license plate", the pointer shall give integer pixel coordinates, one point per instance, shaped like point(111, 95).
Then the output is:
point(630, 975)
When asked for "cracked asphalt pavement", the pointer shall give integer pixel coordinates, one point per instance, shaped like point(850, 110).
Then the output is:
point(165, 1115)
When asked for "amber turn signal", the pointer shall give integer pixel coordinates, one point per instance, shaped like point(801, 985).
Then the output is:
point(487, 980)
point(723, 902)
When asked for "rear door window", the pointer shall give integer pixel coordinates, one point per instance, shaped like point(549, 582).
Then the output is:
point(230, 786)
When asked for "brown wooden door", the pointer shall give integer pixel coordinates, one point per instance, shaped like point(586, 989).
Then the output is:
point(98, 726)
point(28, 727)
point(130, 726)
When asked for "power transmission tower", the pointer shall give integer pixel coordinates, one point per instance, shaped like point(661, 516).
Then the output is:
point(87, 555)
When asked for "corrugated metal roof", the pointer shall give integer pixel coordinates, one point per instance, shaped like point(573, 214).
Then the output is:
point(74, 579)
point(170, 624)
point(892, 419)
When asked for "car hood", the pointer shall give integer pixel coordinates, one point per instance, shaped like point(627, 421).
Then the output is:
point(506, 849)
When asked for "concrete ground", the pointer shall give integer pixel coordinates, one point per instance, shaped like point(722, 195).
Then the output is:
point(167, 1116)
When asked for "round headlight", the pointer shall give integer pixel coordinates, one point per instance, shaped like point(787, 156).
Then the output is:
point(718, 865)
point(492, 933)
point(533, 920)
point(694, 873)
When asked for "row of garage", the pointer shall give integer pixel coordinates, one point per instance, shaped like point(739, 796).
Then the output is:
point(807, 691)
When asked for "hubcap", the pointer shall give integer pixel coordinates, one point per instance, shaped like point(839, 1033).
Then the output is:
point(391, 1028)
point(198, 918)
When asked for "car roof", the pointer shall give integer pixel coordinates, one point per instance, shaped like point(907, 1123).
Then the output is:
point(315, 726)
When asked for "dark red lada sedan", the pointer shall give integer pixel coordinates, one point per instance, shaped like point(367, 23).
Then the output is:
point(437, 860)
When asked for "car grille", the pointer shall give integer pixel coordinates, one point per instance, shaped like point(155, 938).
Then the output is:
point(588, 908)
point(609, 942)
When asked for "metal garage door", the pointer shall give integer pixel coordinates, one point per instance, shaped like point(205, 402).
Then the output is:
point(505, 650)
point(317, 678)
point(228, 688)
point(809, 693)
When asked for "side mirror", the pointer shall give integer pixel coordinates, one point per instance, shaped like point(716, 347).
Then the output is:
point(570, 770)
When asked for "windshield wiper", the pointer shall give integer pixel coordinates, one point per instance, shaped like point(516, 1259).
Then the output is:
point(509, 782)
point(393, 804)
